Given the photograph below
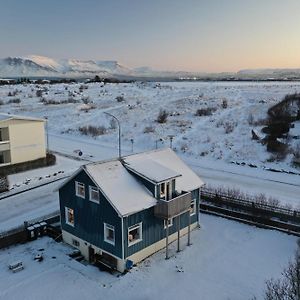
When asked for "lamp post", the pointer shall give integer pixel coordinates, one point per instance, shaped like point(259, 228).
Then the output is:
point(119, 126)
point(47, 136)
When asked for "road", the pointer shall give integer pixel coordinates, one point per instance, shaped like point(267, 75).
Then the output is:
point(14, 210)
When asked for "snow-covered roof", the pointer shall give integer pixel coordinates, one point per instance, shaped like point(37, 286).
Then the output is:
point(167, 158)
point(4, 117)
point(152, 170)
point(121, 189)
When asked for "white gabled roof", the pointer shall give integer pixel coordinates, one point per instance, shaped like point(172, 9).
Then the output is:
point(120, 188)
point(5, 117)
point(167, 158)
point(151, 169)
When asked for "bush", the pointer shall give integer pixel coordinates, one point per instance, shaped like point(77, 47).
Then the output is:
point(224, 103)
point(205, 111)
point(39, 93)
point(120, 98)
point(49, 160)
point(16, 101)
point(149, 129)
point(288, 286)
point(92, 130)
point(162, 116)
point(229, 127)
point(4, 186)
point(1, 102)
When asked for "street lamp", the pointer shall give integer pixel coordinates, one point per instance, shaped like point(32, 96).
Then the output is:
point(119, 126)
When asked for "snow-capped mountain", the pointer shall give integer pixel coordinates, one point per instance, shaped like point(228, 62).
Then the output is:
point(34, 66)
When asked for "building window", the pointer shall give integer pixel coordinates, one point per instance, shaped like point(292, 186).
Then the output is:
point(109, 234)
point(94, 194)
point(162, 189)
point(69, 216)
point(135, 234)
point(75, 243)
point(193, 207)
point(80, 189)
point(169, 222)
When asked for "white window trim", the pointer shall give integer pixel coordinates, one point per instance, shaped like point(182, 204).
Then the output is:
point(76, 185)
point(66, 216)
point(140, 226)
point(170, 225)
point(90, 194)
point(192, 213)
point(111, 227)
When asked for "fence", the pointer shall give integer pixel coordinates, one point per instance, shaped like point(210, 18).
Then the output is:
point(251, 211)
point(20, 235)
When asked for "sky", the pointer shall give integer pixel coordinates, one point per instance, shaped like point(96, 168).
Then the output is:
point(190, 35)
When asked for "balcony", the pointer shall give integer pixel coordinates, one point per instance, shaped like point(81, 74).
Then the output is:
point(167, 209)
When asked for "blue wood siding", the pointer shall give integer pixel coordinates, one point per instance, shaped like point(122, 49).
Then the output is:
point(89, 216)
point(153, 228)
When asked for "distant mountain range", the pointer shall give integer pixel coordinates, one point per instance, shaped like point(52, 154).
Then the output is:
point(40, 66)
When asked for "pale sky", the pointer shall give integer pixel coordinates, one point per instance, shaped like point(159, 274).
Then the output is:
point(191, 35)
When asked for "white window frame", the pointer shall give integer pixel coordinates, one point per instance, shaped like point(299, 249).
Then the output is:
point(93, 188)
point(170, 224)
point(109, 227)
point(133, 227)
point(193, 212)
point(76, 189)
point(67, 216)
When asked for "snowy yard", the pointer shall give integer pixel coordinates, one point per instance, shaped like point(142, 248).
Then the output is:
point(227, 260)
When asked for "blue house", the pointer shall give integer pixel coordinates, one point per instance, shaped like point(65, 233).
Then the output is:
point(119, 212)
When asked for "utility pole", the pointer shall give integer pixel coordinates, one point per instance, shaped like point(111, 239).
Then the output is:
point(119, 126)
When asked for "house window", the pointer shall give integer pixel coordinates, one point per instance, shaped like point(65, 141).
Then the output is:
point(80, 189)
point(135, 234)
point(162, 189)
point(165, 191)
point(94, 194)
point(75, 243)
point(69, 216)
point(169, 222)
point(109, 234)
point(193, 207)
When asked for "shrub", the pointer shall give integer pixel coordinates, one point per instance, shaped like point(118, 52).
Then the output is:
point(16, 101)
point(229, 127)
point(205, 111)
point(120, 98)
point(1, 102)
point(149, 129)
point(39, 93)
point(162, 116)
point(92, 130)
point(49, 160)
point(4, 186)
point(224, 103)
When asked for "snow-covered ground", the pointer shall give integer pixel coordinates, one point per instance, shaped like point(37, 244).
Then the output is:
point(196, 136)
point(227, 260)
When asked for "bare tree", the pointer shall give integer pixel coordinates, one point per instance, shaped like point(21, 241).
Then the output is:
point(287, 287)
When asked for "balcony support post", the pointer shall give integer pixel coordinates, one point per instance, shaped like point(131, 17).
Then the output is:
point(167, 239)
point(189, 230)
point(178, 233)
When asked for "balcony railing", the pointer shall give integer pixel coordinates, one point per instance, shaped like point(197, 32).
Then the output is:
point(167, 209)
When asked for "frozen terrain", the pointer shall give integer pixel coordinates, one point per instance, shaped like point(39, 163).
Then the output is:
point(227, 260)
point(223, 136)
